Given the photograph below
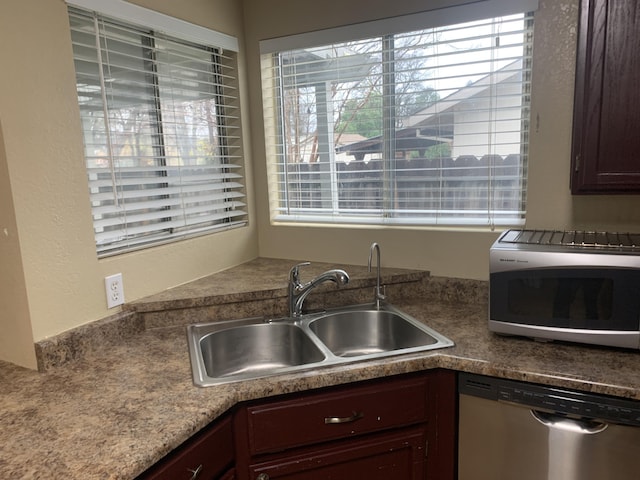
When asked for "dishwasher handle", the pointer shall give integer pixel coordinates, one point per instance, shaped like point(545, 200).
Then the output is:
point(560, 422)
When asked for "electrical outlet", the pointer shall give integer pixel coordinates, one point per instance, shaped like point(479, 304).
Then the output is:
point(114, 289)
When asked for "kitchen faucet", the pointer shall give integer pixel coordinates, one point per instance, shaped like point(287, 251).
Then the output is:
point(298, 291)
point(378, 294)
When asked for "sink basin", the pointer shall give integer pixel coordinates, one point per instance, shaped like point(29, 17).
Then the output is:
point(369, 332)
point(255, 348)
point(248, 348)
point(236, 350)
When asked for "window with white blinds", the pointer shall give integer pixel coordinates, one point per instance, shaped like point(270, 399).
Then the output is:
point(427, 127)
point(160, 119)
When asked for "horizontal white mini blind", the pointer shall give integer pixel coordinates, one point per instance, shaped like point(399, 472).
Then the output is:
point(428, 127)
point(161, 134)
point(125, 11)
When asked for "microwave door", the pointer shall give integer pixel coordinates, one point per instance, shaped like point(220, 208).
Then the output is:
point(567, 298)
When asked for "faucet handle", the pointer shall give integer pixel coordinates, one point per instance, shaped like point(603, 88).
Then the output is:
point(294, 273)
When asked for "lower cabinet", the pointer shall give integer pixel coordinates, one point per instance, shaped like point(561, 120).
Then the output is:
point(382, 429)
point(398, 428)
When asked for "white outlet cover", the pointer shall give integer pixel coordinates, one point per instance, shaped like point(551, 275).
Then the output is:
point(114, 290)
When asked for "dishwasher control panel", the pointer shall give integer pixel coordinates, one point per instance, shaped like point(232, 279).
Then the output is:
point(552, 399)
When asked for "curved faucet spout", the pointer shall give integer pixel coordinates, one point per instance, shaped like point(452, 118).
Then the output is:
point(378, 296)
point(298, 291)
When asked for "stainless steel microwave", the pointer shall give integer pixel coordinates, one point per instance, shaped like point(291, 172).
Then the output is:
point(574, 286)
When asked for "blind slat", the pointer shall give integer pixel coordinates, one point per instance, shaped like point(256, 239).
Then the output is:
point(144, 218)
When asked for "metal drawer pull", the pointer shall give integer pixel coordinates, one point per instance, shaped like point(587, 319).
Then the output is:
point(195, 472)
point(355, 416)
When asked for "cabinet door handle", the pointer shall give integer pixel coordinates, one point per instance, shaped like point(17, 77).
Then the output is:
point(352, 418)
point(196, 472)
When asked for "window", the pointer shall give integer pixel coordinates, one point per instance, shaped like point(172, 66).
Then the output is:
point(426, 127)
point(161, 133)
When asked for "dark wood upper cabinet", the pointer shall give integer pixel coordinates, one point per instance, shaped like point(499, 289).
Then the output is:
point(606, 121)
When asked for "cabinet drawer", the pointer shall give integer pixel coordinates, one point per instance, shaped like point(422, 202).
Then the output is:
point(398, 454)
point(344, 412)
point(210, 453)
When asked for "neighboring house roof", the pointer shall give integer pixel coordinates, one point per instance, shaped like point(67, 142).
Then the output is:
point(446, 105)
point(307, 146)
point(434, 124)
point(406, 139)
point(347, 138)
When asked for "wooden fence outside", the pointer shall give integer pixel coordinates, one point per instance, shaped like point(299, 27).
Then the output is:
point(444, 184)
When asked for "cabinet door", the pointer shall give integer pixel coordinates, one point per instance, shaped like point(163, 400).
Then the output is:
point(606, 143)
point(230, 475)
point(442, 427)
point(206, 456)
point(398, 455)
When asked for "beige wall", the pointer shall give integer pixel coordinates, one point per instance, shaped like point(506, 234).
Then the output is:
point(15, 337)
point(56, 280)
point(461, 253)
point(50, 278)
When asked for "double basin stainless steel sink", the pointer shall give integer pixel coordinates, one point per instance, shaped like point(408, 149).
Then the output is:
point(235, 350)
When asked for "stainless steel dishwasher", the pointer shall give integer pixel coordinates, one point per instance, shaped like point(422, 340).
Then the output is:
point(520, 431)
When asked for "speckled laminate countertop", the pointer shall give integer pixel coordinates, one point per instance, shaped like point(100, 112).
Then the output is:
point(118, 410)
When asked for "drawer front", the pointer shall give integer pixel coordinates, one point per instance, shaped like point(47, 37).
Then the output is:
point(345, 412)
point(387, 456)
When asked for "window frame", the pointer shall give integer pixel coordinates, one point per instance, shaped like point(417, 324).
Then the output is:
point(271, 49)
point(200, 212)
